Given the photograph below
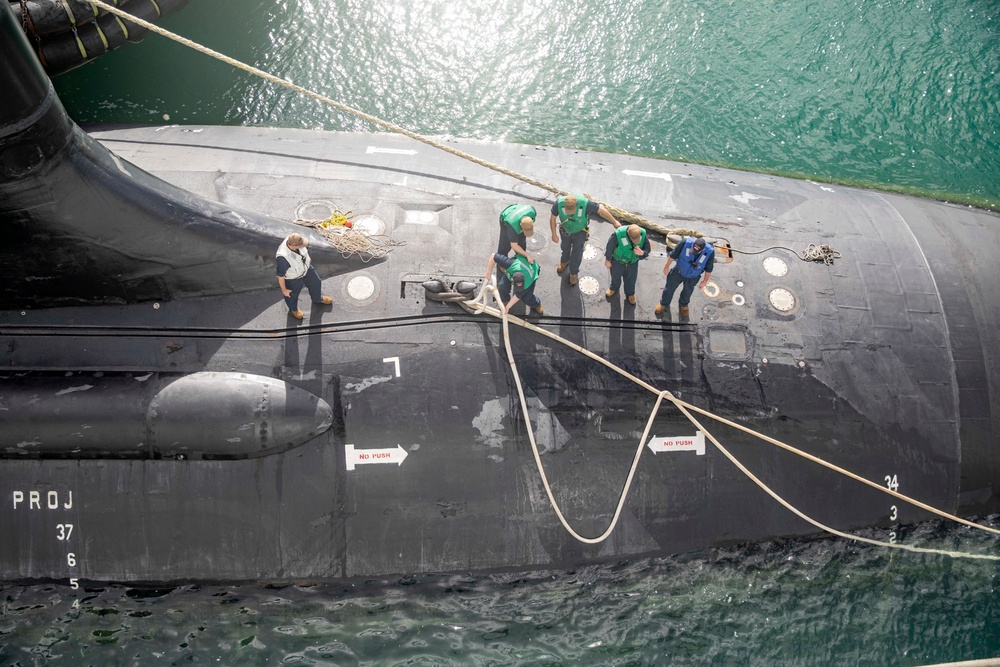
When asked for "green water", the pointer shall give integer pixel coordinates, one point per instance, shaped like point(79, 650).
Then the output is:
point(824, 602)
point(894, 94)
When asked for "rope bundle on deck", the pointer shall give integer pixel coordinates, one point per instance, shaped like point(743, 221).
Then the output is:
point(349, 241)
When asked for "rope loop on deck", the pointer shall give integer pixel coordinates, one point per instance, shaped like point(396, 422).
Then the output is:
point(478, 306)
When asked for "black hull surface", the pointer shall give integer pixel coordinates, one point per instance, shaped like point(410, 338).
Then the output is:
point(883, 366)
point(883, 363)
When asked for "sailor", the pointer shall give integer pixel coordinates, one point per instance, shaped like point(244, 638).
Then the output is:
point(517, 223)
point(626, 246)
point(694, 258)
point(295, 271)
point(573, 212)
point(522, 275)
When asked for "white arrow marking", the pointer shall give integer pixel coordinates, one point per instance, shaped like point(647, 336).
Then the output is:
point(356, 457)
point(746, 197)
point(694, 443)
point(394, 360)
point(647, 174)
point(390, 151)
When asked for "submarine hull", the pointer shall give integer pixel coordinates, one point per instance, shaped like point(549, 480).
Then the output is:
point(880, 363)
point(384, 434)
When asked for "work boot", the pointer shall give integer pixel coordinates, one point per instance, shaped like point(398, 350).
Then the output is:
point(538, 309)
point(297, 314)
point(659, 309)
point(609, 292)
point(573, 279)
point(326, 301)
point(684, 311)
point(631, 299)
point(561, 266)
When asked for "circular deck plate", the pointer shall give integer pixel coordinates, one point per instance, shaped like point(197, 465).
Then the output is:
point(316, 209)
point(369, 225)
point(589, 252)
point(781, 299)
point(711, 290)
point(589, 285)
point(361, 288)
point(775, 266)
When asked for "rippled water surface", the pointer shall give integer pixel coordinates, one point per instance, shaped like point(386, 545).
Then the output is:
point(899, 93)
point(819, 602)
point(895, 93)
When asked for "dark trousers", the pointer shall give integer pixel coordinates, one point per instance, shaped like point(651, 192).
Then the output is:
point(527, 296)
point(503, 244)
point(624, 272)
point(675, 280)
point(311, 282)
point(572, 249)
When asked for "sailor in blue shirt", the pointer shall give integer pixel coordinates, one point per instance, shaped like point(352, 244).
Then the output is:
point(694, 258)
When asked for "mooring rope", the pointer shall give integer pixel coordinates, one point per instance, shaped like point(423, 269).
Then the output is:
point(478, 305)
point(620, 214)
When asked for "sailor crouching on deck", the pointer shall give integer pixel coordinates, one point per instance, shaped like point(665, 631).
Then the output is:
point(626, 246)
point(295, 271)
point(573, 212)
point(518, 272)
point(694, 258)
point(517, 223)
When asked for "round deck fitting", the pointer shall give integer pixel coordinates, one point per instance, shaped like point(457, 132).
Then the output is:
point(589, 285)
point(775, 266)
point(781, 299)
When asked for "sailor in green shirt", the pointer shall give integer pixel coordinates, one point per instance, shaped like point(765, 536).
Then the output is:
point(517, 223)
point(520, 274)
point(625, 249)
point(573, 213)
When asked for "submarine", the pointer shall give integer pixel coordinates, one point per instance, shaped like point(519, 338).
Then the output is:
point(164, 420)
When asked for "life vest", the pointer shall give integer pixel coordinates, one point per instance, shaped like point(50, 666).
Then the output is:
point(530, 271)
point(571, 224)
point(623, 250)
point(688, 264)
point(298, 262)
point(513, 214)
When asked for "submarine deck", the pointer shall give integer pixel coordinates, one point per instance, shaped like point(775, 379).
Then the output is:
point(883, 362)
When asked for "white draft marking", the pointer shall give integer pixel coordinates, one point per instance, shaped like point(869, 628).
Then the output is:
point(390, 151)
point(695, 443)
point(394, 360)
point(356, 457)
point(647, 174)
